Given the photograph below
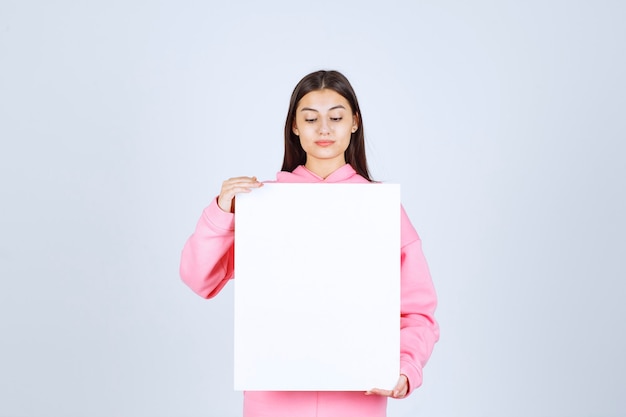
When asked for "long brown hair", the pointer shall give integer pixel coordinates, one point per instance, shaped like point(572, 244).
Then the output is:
point(319, 80)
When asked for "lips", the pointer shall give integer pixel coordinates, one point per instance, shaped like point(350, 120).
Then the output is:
point(324, 143)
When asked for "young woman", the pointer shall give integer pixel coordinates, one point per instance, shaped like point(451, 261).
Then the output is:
point(324, 142)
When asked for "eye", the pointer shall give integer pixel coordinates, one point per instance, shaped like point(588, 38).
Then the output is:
point(310, 120)
point(336, 119)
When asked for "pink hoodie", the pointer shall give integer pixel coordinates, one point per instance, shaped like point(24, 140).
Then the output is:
point(207, 265)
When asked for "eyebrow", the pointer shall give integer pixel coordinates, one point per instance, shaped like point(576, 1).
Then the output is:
point(339, 106)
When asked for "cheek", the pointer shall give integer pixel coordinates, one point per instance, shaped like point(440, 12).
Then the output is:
point(347, 132)
point(307, 130)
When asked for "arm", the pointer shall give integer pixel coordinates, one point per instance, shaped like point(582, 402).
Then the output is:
point(418, 329)
point(207, 261)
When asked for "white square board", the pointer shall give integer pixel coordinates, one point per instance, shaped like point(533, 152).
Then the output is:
point(317, 287)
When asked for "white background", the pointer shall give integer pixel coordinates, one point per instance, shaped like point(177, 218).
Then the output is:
point(503, 121)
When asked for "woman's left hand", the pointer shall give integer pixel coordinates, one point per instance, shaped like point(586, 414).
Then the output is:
point(399, 391)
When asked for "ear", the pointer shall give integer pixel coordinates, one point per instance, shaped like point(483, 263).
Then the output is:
point(355, 122)
point(294, 129)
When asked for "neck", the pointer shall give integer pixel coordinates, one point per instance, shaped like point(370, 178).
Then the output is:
point(323, 168)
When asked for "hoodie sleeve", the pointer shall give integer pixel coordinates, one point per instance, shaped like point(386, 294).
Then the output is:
point(418, 329)
point(207, 260)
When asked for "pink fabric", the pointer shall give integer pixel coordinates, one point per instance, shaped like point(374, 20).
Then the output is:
point(207, 265)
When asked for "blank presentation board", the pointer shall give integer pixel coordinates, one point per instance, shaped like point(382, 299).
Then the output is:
point(317, 287)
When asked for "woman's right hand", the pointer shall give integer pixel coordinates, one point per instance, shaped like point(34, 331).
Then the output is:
point(232, 187)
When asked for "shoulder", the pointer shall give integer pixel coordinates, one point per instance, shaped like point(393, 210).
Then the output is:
point(407, 231)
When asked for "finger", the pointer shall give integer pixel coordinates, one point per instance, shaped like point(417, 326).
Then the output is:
point(378, 391)
point(229, 190)
point(234, 188)
point(238, 189)
point(226, 200)
point(397, 392)
point(242, 180)
point(401, 387)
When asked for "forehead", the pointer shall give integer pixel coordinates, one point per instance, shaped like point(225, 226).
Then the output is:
point(323, 100)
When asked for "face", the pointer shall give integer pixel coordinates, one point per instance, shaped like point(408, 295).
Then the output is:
point(324, 122)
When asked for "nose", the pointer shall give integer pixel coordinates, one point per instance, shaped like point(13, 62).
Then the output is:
point(324, 127)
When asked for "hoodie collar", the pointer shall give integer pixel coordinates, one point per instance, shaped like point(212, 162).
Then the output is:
point(302, 174)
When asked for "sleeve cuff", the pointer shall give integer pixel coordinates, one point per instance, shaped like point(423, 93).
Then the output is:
point(413, 374)
point(219, 218)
